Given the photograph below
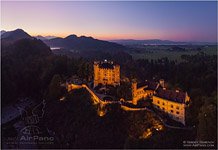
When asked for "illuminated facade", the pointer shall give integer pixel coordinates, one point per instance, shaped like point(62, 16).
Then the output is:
point(169, 101)
point(143, 90)
point(106, 73)
point(172, 102)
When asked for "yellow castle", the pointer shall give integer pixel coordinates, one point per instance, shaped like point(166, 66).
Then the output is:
point(143, 90)
point(106, 73)
point(172, 102)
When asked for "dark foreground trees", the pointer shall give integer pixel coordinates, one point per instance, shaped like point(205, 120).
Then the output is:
point(28, 66)
point(54, 89)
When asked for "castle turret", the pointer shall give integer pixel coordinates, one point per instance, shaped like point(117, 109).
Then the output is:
point(134, 88)
point(96, 78)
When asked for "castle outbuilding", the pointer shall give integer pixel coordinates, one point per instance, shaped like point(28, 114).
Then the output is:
point(172, 102)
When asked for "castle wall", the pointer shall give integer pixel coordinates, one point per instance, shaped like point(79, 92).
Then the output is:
point(73, 87)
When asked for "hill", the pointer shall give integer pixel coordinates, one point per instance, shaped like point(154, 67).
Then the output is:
point(14, 35)
point(2, 31)
point(73, 46)
point(25, 47)
point(22, 65)
point(89, 47)
point(84, 43)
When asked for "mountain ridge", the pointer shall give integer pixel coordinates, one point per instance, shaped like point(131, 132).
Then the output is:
point(40, 37)
point(83, 46)
point(11, 36)
point(84, 43)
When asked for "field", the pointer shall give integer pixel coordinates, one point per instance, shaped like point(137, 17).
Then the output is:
point(157, 52)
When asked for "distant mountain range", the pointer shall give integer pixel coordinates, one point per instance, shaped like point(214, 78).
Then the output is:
point(71, 42)
point(82, 46)
point(88, 47)
point(88, 43)
point(44, 37)
point(84, 43)
point(129, 42)
point(21, 34)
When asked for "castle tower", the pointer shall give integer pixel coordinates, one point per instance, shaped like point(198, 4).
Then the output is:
point(96, 78)
point(134, 88)
point(106, 73)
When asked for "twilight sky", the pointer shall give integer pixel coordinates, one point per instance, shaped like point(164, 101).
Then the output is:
point(179, 21)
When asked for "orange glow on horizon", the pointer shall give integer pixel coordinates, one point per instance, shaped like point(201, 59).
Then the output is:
point(101, 37)
point(146, 35)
